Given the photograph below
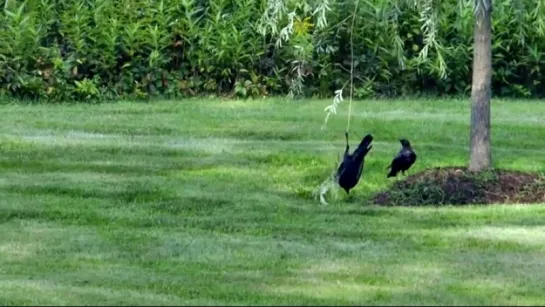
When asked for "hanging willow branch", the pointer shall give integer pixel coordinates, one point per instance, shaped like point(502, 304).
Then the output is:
point(331, 181)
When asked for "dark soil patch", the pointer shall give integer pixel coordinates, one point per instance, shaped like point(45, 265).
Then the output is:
point(459, 186)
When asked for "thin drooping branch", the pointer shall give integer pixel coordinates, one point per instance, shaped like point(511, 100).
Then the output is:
point(351, 66)
point(330, 182)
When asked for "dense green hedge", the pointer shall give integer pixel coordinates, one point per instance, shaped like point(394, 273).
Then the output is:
point(107, 49)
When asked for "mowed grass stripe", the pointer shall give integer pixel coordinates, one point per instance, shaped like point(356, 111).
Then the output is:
point(208, 202)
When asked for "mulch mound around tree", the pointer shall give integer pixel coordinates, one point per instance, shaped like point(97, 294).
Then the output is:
point(459, 186)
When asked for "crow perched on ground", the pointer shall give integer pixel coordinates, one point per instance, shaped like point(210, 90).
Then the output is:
point(349, 172)
point(404, 159)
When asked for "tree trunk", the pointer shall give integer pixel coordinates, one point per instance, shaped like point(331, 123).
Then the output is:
point(480, 156)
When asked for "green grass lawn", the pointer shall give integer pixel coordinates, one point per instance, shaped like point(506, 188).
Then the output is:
point(207, 202)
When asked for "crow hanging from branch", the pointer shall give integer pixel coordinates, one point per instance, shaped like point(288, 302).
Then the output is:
point(349, 171)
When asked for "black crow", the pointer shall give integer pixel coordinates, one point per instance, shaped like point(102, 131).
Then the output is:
point(349, 172)
point(404, 159)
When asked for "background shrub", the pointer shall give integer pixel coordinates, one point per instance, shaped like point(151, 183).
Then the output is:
point(106, 49)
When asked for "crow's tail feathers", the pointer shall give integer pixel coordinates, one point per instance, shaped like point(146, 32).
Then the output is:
point(364, 147)
point(391, 174)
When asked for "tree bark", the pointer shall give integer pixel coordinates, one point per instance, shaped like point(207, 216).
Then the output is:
point(480, 157)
